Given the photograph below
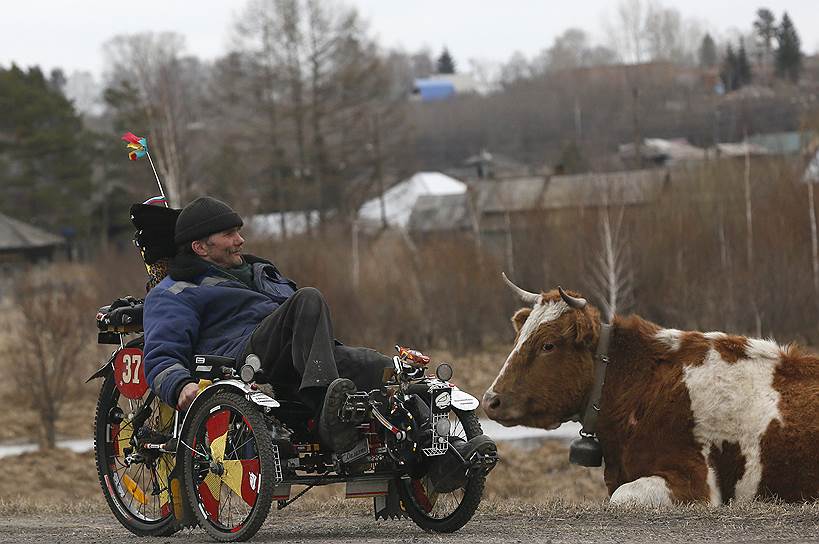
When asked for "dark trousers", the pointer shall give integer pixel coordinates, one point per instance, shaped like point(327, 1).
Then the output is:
point(298, 351)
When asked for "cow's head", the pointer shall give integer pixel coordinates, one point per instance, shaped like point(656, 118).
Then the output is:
point(547, 377)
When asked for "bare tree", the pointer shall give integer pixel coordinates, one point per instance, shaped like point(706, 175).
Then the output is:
point(611, 276)
point(626, 31)
point(663, 33)
point(572, 49)
point(515, 69)
point(645, 30)
point(325, 84)
point(47, 347)
point(166, 85)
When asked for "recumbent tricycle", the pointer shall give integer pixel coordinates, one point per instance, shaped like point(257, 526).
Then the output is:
point(240, 446)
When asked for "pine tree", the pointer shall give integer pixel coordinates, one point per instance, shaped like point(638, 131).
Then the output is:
point(708, 52)
point(728, 70)
point(571, 159)
point(788, 54)
point(446, 64)
point(743, 67)
point(45, 157)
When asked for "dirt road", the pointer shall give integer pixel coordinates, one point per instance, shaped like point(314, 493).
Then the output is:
point(517, 522)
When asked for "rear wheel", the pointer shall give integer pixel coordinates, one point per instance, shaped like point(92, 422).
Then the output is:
point(446, 512)
point(135, 486)
point(229, 466)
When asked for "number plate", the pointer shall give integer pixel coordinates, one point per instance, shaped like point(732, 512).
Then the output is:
point(129, 374)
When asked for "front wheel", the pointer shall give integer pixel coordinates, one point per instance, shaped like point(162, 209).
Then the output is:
point(135, 484)
point(446, 511)
point(229, 466)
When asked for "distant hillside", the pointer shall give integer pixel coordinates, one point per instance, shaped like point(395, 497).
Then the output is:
point(602, 107)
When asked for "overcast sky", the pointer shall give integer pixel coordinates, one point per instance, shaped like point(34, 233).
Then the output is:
point(69, 33)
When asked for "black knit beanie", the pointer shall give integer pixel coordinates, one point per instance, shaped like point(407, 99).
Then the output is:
point(203, 217)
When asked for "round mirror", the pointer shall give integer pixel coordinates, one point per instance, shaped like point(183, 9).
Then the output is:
point(444, 372)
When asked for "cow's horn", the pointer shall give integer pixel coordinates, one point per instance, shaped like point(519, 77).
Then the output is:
point(573, 302)
point(526, 296)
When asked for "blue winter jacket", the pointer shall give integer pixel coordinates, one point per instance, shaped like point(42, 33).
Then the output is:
point(197, 310)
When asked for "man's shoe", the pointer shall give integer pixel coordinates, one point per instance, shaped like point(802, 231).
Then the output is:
point(338, 435)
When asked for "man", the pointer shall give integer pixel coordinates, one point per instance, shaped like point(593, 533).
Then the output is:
point(217, 301)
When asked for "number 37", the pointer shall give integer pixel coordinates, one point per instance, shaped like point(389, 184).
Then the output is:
point(130, 370)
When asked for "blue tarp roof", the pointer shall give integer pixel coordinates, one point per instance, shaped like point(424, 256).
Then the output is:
point(433, 89)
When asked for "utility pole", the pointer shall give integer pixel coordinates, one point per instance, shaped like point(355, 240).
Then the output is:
point(356, 270)
point(578, 121)
point(378, 171)
point(749, 218)
point(638, 138)
point(813, 237)
point(510, 246)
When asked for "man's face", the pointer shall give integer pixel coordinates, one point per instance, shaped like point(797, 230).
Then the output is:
point(223, 248)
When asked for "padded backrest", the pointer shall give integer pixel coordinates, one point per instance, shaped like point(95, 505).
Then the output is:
point(154, 238)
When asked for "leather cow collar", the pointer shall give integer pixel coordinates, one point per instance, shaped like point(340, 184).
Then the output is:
point(586, 450)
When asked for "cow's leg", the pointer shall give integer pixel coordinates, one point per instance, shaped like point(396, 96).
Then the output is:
point(646, 491)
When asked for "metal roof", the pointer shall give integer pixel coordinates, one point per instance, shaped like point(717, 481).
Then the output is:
point(453, 212)
point(440, 212)
point(15, 234)
point(659, 149)
point(780, 142)
point(602, 189)
point(741, 149)
point(510, 195)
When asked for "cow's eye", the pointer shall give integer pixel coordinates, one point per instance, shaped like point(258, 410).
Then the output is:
point(548, 347)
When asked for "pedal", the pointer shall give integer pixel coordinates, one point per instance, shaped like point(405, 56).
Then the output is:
point(480, 453)
point(354, 409)
point(484, 461)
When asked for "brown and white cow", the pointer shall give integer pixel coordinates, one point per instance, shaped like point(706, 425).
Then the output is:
point(685, 416)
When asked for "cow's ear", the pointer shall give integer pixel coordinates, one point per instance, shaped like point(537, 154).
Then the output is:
point(520, 318)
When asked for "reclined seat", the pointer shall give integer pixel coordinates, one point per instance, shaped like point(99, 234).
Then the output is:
point(154, 239)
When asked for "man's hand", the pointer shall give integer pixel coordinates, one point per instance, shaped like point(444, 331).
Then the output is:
point(186, 396)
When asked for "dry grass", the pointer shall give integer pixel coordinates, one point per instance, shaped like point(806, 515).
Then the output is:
point(535, 491)
point(42, 478)
point(543, 474)
point(62, 479)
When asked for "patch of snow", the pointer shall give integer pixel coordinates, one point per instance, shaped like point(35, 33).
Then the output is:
point(78, 445)
point(497, 432)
